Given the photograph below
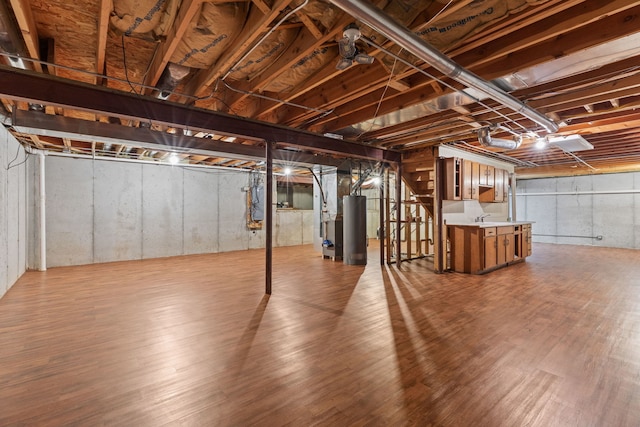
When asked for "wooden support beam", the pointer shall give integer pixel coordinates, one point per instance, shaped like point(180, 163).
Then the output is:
point(257, 24)
point(106, 6)
point(399, 85)
point(311, 26)
point(262, 5)
point(188, 9)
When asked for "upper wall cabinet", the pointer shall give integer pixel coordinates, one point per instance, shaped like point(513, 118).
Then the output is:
point(453, 187)
point(468, 180)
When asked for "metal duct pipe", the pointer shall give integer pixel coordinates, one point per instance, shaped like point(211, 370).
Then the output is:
point(11, 41)
point(171, 76)
point(378, 20)
point(484, 137)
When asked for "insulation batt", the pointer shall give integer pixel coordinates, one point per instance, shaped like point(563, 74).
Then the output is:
point(150, 18)
point(210, 33)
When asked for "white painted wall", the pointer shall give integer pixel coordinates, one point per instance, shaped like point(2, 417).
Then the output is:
point(576, 210)
point(13, 211)
point(102, 211)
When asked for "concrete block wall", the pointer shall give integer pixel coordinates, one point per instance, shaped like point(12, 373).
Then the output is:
point(598, 210)
point(13, 211)
point(102, 211)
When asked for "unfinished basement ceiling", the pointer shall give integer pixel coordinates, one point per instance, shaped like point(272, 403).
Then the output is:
point(575, 62)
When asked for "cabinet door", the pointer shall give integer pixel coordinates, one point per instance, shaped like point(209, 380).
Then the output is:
point(475, 180)
point(467, 179)
point(509, 247)
point(486, 173)
point(490, 251)
point(454, 178)
point(506, 244)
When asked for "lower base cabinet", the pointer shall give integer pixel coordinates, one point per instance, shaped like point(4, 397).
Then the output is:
point(476, 249)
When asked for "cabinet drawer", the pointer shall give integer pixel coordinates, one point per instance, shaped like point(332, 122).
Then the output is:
point(490, 231)
point(505, 230)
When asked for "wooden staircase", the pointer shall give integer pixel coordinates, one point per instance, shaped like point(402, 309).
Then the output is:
point(418, 174)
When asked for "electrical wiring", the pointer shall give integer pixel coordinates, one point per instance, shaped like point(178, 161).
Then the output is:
point(384, 92)
point(10, 165)
point(395, 61)
point(433, 18)
point(126, 71)
point(268, 98)
point(431, 76)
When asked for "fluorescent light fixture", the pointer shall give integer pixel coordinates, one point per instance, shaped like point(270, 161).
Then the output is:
point(570, 143)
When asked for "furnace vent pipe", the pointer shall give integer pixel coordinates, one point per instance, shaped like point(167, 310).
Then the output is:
point(379, 21)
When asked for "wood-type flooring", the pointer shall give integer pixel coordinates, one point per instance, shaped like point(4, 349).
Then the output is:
point(194, 341)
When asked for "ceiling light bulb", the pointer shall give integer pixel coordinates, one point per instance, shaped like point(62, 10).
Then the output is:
point(173, 158)
point(343, 64)
point(541, 143)
point(287, 171)
point(376, 181)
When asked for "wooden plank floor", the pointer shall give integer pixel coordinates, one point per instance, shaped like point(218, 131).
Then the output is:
point(193, 341)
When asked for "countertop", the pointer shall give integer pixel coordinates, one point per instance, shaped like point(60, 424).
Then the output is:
point(488, 224)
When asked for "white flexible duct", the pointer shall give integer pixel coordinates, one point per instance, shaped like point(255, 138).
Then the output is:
point(383, 23)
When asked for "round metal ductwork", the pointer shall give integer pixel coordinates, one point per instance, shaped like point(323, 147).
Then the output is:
point(485, 139)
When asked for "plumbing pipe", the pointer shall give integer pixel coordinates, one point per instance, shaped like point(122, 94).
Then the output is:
point(514, 203)
point(43, 218)
point(580, 193)
point(383, 23)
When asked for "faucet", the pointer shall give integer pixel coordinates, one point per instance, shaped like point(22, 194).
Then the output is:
point(482, 217)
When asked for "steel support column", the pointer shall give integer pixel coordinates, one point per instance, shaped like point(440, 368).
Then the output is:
point(268, 211)
point(399, 214)
point(439, 235)
point(382, 231)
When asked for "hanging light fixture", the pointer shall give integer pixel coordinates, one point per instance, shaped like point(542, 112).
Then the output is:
point(348, 50)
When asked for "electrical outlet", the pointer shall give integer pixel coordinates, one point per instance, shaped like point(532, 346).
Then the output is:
point(598, 237)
